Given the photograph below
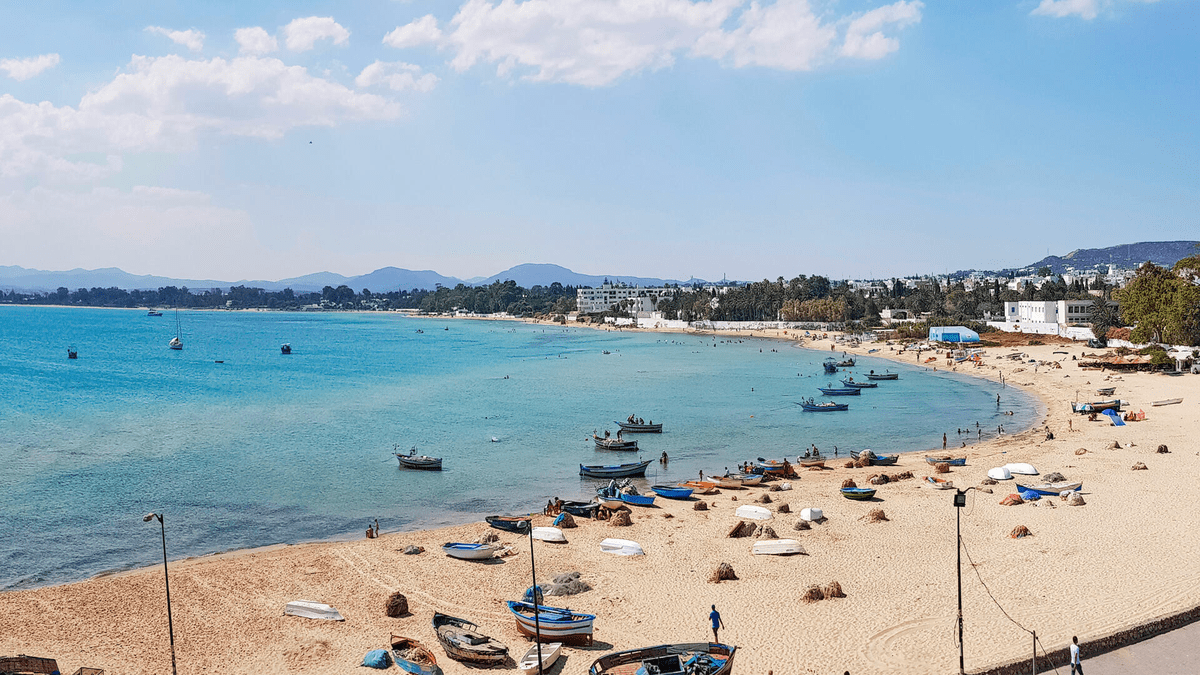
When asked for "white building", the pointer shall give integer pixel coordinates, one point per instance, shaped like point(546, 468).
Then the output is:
point(1061, 312)
point(593, 300)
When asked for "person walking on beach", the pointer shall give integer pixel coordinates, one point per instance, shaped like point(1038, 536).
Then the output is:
point(715, 616)
point(1076, 666)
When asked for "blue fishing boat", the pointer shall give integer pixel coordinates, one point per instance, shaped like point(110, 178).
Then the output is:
point(614, 470)
point(553, 624)
point(830, 365)
point(840, 391)
point(413, 657)
point(623, 493)
point(581, 509)
point(952, 461)
point(671, 492)
point(809, 406)
point(695, 658)
point(858, 494)
point(859, 385)
point(877, 460)
point(515, 524)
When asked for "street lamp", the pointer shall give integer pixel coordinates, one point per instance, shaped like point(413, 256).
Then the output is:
point(960, 501)
point(167, 578)
point(537, 624)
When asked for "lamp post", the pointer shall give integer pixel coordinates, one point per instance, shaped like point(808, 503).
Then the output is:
point(167, 579)
point(960, 501)
point(537, 624)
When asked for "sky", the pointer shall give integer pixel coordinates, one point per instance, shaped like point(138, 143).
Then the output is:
point(749, 139)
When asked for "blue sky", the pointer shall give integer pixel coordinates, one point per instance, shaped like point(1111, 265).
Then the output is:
point(665, 138)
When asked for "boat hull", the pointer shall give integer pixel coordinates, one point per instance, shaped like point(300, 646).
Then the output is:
point(1051, 489)
point(885, 376)
point(469, 551)
point(952, 461)
point(419, 462)
point(720, 659)
point(640, 428)
point(447, 627)
point(615, 471)
point(621, 547)
point(699, 486)
point(848, 391)
point(829, 407)
point(507, 523)
point(669, 492)
point(777, 547)
point(858, 494)
point(581, 509)
point(859, 385)
point(613, 444)
point(555, 624)
point(404, 648)
point(879, 460)
point(529, 662)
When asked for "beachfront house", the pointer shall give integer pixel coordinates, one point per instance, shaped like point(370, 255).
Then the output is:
point(956, 334)
point(1067, 318)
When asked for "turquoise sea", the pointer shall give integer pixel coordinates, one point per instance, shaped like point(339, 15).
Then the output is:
point(266, 448)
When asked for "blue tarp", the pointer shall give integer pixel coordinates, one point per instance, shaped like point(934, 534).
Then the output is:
point(1116, 417)
point(377, 658)
point(952, 334)
point(1029, 495)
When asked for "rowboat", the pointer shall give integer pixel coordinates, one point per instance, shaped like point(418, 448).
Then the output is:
point(702, 658)
point(807, 462)
point(614, 470)
point(529, 663)
point(617, 443)
point(1051, 489)
point(1021, 468)
point(636, 500)
point(939, 483)
point(463, 642)
point(768, 469)
point(809, 406)
point(554, 624)
point(700, 487)
point(859, 385)
point(671, 492)
point(877, 460)
point(846, 363)
point(508, 523)
point(1106, 391)
point(883, 376)
point(414, 461)
point(631, 428)
point(752, 512)
point(777, 547)
point(749, 480)
point(840, 391)
point(621, 547)
point(1169, 401)
point(413, 657)
point(468, 551)
point(726, 483)
point(581, 509)
point(858, 494)
point(1097, 406)
point(952, 461)
point(312, 610)
point(551, 535)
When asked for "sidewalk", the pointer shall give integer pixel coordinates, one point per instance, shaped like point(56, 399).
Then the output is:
point(1174, 653)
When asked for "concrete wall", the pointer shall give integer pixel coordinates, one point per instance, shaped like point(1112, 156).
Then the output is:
point(1071, 332)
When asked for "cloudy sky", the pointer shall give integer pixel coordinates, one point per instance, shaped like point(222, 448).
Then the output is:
point(673, 138)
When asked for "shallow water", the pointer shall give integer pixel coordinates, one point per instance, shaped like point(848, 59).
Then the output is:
point(266, 448)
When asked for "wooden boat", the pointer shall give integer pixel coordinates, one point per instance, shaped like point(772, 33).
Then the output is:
point(883, 376)
point(726, 482)
point(631, 428)
point(699, 487)
point(1106, 391)
point(671, 492)
point(809, 406)
point(1169, 401)
point(701, 658)
point(840, 391)
point(830, 365)
point(555, 624)
point(312, 610)
point(752, 512)
point(878, 460)
point(413, 657)
point(617, 443)
point(952, 461)
point(859, 385)
point(550, 535)
point(846, 363)
point(768, 469)
point(777, 547)
point(858, 494)
point(1052, 489)
point(508, 523)
point(749, 480)
point(621, 547)
point(808, 462)
point(581, 509)
point(613, 493)
point(1097, 406)
point(529, 662)
point(614, 470)
point(414, 461)
point(939, 483)
point(463, 642)
point(464, 551)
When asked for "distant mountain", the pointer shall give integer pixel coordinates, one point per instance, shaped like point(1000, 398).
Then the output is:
point(389, 279)
point(20, 278)
point(1163, 253)
point(543, 274)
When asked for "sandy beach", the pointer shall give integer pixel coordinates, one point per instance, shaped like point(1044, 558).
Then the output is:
point(1120, 560)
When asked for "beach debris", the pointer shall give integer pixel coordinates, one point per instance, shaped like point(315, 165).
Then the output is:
point(848, 483)
point(733, 498)
point(567, 583)
point(903, 475)
point(814, 594)
point(565, 520)
point(1019, 532)
point(504, 551)
point(801, 525)
point(1081, 451)
point(621, 519)
point(1139, 467)
point(849, 464)
point(700, 506)
point(862, 462)
point(1049, 503)
point(724, 572)
point(833, 590)
point(741, 529)
point(987, 490)
point(988, 481)
point(878, 479)
point(765, 532)
point(765, 499)
point(488, 538)
point(1114, 446)
point(773, 488)
point(397, 605)
point(1012, 500)
point(1055, 477)
point(941, 467)
point(783, 508)
point(668, 515)
point(1075, 499)
point(413, 550)
point(784, 487)
point(875, 516)
point(1162, 450)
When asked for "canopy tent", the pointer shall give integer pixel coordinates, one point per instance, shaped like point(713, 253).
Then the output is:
point(952, 334)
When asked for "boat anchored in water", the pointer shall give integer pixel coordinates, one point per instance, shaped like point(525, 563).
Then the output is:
point(414, 461)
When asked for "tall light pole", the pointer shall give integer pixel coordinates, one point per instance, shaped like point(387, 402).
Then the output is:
point(537, 624)
point(167, 579)
point(960, 501)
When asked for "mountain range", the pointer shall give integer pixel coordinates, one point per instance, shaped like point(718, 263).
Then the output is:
point(1161, 253)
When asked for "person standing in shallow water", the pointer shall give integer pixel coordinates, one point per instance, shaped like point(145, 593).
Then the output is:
point(715, 616)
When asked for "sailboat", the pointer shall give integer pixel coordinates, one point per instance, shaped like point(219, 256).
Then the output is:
point(177, 341)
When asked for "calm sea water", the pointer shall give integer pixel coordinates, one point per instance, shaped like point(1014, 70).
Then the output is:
point(266, 448)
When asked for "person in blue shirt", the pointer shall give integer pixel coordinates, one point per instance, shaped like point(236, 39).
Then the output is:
point(715, 616)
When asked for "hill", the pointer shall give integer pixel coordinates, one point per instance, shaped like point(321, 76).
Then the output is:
point(1163, 253)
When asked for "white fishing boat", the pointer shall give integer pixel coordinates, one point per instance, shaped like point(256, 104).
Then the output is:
point(621, 547)
point(811, 514)
point(312, 610)
point(1021, 469)
point(753, 512)
point(468, 551)
point(1168, 401)
point(778, 547)
point(550, 653)
point(999, 473)
point(549, 534)
point(176, 342)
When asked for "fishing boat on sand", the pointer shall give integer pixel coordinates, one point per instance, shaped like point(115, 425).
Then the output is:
point(777, 547)
point(1097, 406)
point(736, 480)
point(693, 658)
point(464, 551)
point(840, 391)
point(700, 487)
point(810, 406)
point(859, 385)
point(581, 509)
point(638, 428)
point(614, 470)
point(939, 483)
point(617, 443)
point(515, 524)
point(1106, 391)
point(672, 492)
point(882, 376)
point(549, 654)
point(463, 642)
point(952, 461)
point(1051, 489)
point(414, 461)
point(623, 492)
point(413, 657)
point(858, 494)
point(550, 535)
point(726, 483)
point(1168, 401)
point(555, 624)
point(811, 461)
point(876, 460)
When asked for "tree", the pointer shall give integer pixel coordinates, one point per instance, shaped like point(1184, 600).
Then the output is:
point(1104, 316)
point(1163, 306)
point(1044, 271)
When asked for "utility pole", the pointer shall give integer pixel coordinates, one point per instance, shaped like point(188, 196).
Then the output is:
point(960, 501)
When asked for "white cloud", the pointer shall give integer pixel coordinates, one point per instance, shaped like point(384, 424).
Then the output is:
point(23, 69)
point(596, 42)
point(163, 103)
point(255, 40)
point(422, 31)
point(865, 38)
point(1086, 9)
point(301, 34)
point(191, 38)
point(397, 76)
